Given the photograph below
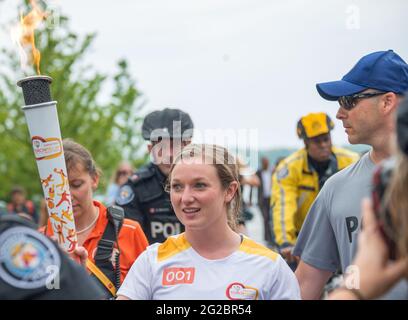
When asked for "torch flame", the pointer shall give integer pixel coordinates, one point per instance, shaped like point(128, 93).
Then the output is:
point(23, 35)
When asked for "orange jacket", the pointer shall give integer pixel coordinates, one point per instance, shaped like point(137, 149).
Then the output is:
point(132, 240)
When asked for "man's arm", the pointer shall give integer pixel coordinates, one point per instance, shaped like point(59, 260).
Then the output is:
point(316, 246)
point(311, 280)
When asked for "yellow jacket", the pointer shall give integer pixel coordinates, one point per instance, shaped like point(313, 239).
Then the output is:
point(295, 185)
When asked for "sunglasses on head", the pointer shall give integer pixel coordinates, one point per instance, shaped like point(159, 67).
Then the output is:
point(349, 102)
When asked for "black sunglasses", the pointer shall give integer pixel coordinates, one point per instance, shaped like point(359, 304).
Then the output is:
point(124, 173)
point(321, 138)
point(349, 102)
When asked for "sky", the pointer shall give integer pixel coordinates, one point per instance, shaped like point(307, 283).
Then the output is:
point(246, 65)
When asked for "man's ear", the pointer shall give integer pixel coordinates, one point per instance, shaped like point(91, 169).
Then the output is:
point(149, 147)
point(389, 102)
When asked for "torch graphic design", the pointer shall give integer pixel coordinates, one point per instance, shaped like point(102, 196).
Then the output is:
point(42, 120)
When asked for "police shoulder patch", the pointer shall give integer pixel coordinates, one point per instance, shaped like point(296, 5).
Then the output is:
point(282, 173)
point(28, 259)
point(126, 195)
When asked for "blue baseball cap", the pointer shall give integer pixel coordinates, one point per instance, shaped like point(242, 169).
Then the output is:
point(383, 70)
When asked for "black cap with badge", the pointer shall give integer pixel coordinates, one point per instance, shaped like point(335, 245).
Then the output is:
point(33, 267)
point(167, 123)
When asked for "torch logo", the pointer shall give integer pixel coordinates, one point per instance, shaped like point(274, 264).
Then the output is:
point(239, 291)
point(46, 148)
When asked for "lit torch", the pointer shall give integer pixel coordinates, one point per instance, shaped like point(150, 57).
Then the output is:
point(42, 120)
point(22, 35)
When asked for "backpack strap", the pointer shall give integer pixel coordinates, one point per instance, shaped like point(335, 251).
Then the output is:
point(101, 277)
point(104, 251)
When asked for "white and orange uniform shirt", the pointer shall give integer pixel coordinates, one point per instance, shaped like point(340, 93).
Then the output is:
point(174, 270)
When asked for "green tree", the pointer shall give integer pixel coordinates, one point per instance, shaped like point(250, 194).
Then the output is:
point(101, 112)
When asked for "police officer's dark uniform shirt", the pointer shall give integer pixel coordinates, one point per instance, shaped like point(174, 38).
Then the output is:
point(34, 267)
point(144, 199)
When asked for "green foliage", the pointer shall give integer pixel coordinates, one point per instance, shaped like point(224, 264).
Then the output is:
point(99, 111)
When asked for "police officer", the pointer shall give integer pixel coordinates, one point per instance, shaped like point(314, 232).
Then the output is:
point(299, 178)
point(143, 197)
point(34, 267)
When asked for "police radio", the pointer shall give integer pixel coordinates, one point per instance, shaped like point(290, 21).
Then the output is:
point(115, 216)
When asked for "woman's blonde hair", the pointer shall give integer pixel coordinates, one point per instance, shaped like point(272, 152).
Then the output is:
point(227, 171)
point(398, 199)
